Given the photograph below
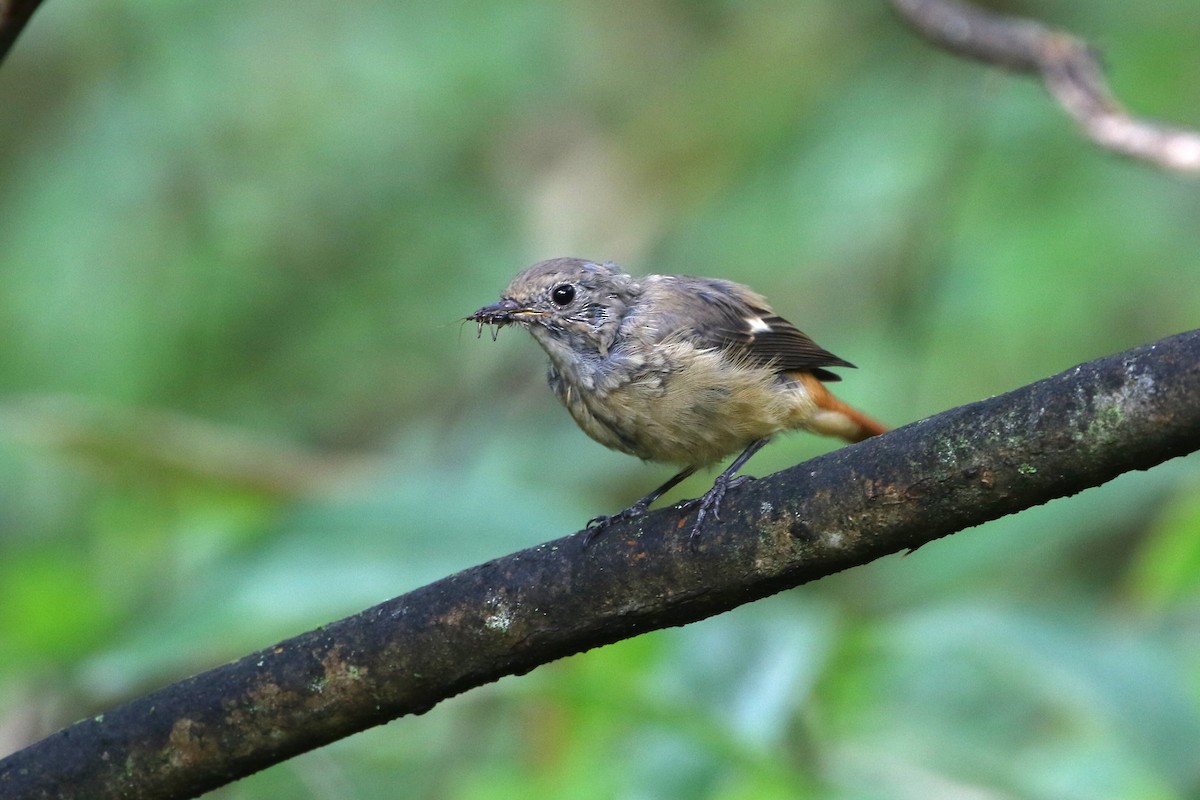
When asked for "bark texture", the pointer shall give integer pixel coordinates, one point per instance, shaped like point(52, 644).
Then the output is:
point(898, 491)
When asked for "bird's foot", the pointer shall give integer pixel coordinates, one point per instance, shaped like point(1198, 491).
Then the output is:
point(597, 525)
point(710, 502)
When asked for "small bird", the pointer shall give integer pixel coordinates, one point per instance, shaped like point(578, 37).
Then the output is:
point(674, 368)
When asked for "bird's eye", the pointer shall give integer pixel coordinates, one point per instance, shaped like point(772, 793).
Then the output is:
point(562, 294)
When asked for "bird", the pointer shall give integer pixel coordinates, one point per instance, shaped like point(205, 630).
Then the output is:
point(674, 368)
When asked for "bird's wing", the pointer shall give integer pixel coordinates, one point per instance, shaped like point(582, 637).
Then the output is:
point(723, 314)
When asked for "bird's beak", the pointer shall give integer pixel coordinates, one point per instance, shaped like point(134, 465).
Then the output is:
point(505, 312)
point(497, 313)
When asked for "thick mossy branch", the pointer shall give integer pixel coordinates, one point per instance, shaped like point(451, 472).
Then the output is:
point(895, 492)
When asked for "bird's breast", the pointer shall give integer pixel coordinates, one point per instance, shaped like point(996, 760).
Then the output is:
point(678, 403)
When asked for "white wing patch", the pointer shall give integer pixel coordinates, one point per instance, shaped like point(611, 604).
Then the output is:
point(757, 325)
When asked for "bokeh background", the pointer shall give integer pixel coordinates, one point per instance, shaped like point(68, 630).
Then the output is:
point(237, 240)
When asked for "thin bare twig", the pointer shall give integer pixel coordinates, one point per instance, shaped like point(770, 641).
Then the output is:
point(13, 16)
point(1068, 67)
point(174, 444)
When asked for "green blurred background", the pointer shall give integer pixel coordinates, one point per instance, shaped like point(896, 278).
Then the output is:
point(236, 243)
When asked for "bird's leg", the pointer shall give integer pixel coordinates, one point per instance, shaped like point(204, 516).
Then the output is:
point(596, 525)
point(710, 501)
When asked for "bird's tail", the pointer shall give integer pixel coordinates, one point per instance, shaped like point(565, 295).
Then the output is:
point(833, 417)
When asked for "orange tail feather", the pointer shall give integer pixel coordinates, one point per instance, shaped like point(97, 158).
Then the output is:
point(835, 418)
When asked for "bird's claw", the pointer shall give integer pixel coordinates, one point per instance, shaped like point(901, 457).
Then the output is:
point(597, 525)
point(710, 502)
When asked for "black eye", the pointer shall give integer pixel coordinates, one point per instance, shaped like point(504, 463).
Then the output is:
point(562, 294)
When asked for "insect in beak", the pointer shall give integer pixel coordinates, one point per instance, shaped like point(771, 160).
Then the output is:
point(497, 315)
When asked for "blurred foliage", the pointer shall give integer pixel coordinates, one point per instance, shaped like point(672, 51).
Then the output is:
point(236, 400)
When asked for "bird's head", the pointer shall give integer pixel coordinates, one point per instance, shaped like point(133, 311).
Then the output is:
point(565, 303)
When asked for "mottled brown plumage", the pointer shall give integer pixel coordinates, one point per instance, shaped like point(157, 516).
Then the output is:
point(674, 368)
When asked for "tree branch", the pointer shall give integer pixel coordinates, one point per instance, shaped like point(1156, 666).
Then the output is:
point(13, 16)
point(959, 468)
point(1069, 68)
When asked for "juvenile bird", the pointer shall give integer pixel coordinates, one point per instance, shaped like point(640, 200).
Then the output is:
point(674, 368)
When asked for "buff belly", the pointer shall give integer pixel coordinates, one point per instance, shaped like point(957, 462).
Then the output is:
point(695, 416)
